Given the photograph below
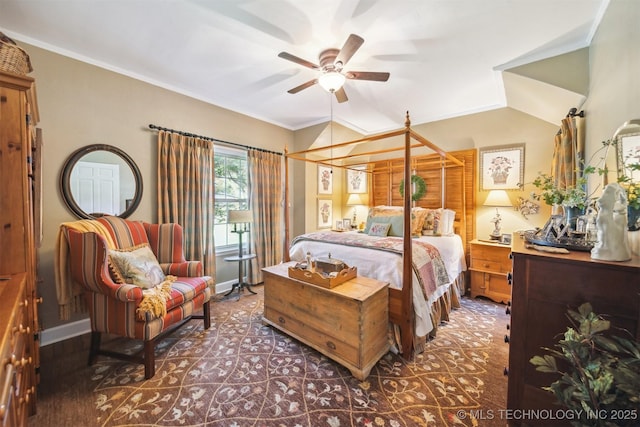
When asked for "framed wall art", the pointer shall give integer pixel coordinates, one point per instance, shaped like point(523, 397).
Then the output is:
point(501, 167)
point(356, 180)
point(325, 213)
point(325, 180)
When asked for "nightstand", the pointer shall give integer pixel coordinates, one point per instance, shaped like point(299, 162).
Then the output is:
point(490, 265)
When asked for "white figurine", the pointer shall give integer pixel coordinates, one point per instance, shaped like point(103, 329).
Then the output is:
point(611, 225)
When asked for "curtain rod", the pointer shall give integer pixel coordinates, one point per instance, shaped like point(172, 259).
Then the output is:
point(574, 112)
point(207, 138)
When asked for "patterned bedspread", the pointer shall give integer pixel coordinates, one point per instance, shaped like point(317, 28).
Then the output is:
point(426, 261)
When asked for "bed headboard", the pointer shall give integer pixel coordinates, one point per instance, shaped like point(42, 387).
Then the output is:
point(387, 175)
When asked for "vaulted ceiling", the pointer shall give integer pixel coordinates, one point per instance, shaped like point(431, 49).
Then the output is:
point(445, 57)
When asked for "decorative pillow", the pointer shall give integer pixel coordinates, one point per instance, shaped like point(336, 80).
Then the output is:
point(394, 215)
point(418, 217)
point(395, 222)
point(136, 266)
point(379, 229)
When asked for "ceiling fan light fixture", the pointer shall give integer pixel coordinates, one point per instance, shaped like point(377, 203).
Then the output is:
point(331, 81)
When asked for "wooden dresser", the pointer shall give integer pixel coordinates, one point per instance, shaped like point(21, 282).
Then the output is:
point(17, 386)
point(19, 238)
point(544, 286)
point(489, 266)
point(347, 323)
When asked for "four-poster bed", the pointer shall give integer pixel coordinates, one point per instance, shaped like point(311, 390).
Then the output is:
point(455, 189)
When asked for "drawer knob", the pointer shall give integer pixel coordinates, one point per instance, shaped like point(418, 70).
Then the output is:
point(331, 345)
point(281, 320)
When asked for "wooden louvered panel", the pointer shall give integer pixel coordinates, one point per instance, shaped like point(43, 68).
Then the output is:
point(388, 175)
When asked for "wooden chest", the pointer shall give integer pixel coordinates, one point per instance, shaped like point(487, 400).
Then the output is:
point(347, 323)
point(490, 265)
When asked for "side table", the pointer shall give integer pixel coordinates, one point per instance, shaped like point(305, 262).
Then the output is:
point(241, 283)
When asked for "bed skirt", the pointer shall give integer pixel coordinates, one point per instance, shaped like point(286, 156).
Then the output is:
point(440, 310)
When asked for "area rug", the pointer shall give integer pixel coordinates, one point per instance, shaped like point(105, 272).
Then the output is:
point(243, 373)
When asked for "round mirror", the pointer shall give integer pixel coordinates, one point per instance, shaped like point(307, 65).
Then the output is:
point(100, 180)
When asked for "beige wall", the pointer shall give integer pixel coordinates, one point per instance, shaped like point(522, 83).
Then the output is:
point(614, 91)
point(81, 104)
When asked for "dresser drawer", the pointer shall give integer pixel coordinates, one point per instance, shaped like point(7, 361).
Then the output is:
point(489, 265)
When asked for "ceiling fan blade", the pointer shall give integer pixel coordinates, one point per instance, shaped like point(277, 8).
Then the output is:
point(367, 75)
point(341, 95)
point(350, 47)
point(303, 86)
point(300, 61)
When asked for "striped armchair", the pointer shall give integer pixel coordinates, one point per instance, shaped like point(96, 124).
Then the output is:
point(114, 308)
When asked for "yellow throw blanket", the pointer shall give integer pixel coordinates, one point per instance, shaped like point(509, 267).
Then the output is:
point(155, 299)
point(69, 293)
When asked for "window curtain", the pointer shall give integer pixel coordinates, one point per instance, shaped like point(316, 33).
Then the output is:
point(568, 154)
point(186, 193)
point(266, 198)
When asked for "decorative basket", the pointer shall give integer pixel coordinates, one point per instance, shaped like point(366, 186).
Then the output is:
point(12, 57)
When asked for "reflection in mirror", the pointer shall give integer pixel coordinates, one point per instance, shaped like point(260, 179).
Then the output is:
point(627, 138)
point(101, 180)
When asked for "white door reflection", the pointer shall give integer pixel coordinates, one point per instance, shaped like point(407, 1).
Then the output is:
point(96, 187)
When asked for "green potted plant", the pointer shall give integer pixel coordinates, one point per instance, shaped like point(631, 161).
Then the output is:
point(599, 374)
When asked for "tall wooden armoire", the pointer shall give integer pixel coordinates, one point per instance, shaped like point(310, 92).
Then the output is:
point(20, 232)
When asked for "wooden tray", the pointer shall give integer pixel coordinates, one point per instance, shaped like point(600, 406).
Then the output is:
point(319, 280)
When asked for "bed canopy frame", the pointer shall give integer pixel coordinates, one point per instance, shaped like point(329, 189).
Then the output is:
point(400, 300)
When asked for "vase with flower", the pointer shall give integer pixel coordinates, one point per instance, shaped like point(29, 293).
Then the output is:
point(633, 203)
point(573, 200)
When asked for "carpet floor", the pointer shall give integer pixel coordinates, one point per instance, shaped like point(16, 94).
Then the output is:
point(243, 373)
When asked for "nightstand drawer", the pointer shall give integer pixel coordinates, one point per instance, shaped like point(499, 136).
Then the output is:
point(490, 266)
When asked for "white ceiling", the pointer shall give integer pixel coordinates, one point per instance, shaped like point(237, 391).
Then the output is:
point(445, 56)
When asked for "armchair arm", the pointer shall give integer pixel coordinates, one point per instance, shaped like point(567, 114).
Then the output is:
point(183, 269)
point(88, 266)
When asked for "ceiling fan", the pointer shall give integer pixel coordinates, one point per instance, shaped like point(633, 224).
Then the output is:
point(332, 62)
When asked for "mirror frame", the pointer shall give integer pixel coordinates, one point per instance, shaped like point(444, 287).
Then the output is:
point(67, 168)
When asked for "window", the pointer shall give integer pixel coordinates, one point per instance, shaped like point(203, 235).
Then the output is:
point(230, 191)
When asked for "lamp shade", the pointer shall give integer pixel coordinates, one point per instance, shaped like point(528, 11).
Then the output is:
point(331, 81)
point(244, 216)
point(497, 198)
point(357, 199)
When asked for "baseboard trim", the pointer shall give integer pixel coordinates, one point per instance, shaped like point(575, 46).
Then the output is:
point(64, 332)
point(81, 327)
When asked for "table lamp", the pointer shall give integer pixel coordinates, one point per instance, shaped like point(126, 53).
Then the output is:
point(497, 198)
point(236, 217)
point(356, 200)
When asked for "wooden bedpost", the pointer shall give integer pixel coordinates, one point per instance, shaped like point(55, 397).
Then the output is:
point(285, 254)
point(406, 328)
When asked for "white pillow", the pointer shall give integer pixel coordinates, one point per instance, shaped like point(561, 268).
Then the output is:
point(444, 224)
